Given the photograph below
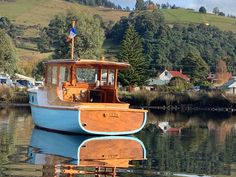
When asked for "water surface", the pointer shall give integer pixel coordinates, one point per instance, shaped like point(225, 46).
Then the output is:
point(189, 144)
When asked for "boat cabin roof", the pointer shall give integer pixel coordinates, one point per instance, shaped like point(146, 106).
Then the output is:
point(89, 63)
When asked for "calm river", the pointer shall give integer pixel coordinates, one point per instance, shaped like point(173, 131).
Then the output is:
point(171, 144)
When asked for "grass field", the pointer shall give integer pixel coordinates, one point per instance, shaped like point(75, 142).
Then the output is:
point(33, 12)
point(39, 12)
point(183, 16)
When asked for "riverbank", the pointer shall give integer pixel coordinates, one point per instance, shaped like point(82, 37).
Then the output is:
point(184, 101)
point(13, 95)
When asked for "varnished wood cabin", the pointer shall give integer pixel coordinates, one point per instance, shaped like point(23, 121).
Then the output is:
point(83, 81)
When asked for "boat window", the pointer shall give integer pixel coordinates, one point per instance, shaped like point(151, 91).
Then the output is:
point(64, 74)
point(104, 77)
point(86, 75)
point(49, 74)
point(54, 75)
point(111, 77)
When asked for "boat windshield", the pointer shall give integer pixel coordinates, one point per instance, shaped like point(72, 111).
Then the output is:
point(88, 75)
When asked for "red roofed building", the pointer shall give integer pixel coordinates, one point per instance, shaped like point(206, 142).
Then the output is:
point(166, 76)
point(179, 74)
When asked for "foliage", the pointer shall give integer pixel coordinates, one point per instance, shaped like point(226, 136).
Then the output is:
point(221, 14)
point(88, 42)
point(195, 67)
point(179, 84)
point(139, 98)
point(131, 51)
point(105, 3)
point(139, 5)
point(43, 43)
point(204, 84)
point(39, 70)
point(201, 99)
point(222, 74)
point(11, 94)
point(10, 29)
point(202, 10)
point(8, 56)
point(166, 47)
point(216, 10)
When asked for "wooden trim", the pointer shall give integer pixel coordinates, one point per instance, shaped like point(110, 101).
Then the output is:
point(108, 73)
point(115, 79)
point(73, 75)
point(104, 108)
point(58, 74)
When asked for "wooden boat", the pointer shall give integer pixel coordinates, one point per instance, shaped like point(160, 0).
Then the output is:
point(80, 96)
point(50, 148)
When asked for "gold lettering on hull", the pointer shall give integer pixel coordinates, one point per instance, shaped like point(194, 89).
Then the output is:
point(111, 114)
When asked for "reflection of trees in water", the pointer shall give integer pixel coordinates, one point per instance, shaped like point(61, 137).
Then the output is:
point(11, 128)
point(204, 146)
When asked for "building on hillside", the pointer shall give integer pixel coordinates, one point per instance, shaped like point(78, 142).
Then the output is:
point(230, 86)
point(165, 77)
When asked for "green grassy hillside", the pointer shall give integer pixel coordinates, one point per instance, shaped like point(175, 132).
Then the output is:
point(33, 12)
point(183, 16)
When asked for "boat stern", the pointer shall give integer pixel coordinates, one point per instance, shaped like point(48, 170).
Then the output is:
point(112, 121)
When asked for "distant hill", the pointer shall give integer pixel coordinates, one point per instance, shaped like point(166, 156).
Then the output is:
point(31, 15)
point(184, 16)
point(34, 12)
point(39, 12)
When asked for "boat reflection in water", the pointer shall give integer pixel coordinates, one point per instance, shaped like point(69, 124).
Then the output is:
point(66, 154)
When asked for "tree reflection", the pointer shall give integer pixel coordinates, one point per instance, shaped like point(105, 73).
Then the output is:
point(203, 147)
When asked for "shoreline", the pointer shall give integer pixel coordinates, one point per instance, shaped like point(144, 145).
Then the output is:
point(14, 104)
point(182, 108)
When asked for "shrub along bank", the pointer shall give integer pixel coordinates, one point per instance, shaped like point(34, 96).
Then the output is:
point(215, 100)
point(13, 95)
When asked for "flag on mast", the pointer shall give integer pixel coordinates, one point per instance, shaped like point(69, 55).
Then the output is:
point(72, 34)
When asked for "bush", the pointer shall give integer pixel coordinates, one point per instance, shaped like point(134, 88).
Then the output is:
point(202, 10)
point(12, 94)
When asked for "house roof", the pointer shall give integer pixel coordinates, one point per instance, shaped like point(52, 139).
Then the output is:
point(179, 74)
point(230, 84)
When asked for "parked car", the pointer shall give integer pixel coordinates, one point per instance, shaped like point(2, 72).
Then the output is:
point(4, 79)
point(24, 83)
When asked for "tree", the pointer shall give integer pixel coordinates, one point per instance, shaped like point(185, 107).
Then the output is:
point(8, 57)
point(194, 66)
point(10, 29)
point(202, 10)
point(222, 74)
point(179, 84)
point(221, 13)
point(216, 10)
point(139, 5)
point(88, 42)
point(43, 43)
point(39, 71)
point(131, 51)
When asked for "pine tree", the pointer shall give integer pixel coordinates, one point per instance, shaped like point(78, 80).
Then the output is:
point(131, 51)
point(139, 5)
point(195, 66)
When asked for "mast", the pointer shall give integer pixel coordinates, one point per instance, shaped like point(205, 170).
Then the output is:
point(72, 42)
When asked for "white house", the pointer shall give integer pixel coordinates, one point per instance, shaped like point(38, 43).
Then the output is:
point(166, 76)
point(230, 86)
